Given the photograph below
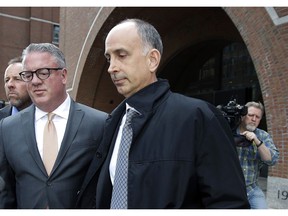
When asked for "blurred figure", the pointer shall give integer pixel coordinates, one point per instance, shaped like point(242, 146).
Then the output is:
point(182, 153)
point(15, 89)
point(34, 174)
point(252, 157)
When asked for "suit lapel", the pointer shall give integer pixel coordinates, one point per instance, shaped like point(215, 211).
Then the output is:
point(73, 123)
point(107, 143)
point(29, 133)
point(74, 119)
point(5, 112)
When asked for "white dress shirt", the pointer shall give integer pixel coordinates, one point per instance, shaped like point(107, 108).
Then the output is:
point(113, 162)
point(59, 120)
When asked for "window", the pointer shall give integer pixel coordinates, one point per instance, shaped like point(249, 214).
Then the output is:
point(56, 31)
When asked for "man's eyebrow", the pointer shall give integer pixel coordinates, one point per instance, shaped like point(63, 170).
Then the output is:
point(119, 50)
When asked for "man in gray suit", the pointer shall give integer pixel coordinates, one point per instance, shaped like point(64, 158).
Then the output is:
point(15, 89)
point(79, 128)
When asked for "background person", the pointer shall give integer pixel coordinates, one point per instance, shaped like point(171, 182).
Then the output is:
point(28, 181)
point(15, 89)
point(182, 153)
point(262, 151)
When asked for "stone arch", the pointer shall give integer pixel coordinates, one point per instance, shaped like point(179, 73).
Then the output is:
point(88, 55)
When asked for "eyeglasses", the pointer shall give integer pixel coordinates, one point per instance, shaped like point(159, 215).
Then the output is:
point(241, 140)
point(41, 73)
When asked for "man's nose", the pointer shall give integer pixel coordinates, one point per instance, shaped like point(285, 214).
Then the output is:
point(10, 83)
point(112, 67)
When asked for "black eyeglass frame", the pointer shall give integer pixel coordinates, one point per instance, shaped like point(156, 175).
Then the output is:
point(22, 73)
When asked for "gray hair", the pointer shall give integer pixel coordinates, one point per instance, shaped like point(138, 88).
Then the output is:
point(257, 105)
point(149, 35)
point(45, 48)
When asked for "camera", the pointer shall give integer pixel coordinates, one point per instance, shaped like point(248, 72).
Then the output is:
point(233, 113)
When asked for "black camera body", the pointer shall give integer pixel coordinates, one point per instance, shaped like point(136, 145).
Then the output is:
point(233, 113)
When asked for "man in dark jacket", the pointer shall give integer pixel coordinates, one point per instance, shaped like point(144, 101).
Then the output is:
point(182, 153)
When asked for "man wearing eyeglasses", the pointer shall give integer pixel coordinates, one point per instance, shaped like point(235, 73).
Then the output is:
point(32, 177)
point(252, 157)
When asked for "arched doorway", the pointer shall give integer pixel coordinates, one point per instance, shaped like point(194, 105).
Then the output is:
point(191, 36)
point(261, 30)
point(204, 56)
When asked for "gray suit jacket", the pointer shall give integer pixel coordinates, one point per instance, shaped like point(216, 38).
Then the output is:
point(27, 184)
point(5, 111)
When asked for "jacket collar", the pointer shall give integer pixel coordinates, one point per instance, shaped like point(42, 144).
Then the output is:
point(149, 97)
point(145, 101)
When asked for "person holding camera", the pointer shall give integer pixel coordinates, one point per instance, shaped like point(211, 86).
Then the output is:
point(252, 157)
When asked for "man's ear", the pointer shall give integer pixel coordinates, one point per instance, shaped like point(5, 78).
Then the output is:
point(64, 75)
point(154, 58)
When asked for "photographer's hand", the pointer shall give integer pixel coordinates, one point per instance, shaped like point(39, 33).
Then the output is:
point(262, 149)
point(251, 136)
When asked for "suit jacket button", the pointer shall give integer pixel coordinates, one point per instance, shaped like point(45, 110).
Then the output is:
point(48, 183)
point(98, 155)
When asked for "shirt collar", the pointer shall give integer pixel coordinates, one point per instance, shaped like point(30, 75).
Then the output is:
point(130, 107)
point(61, 111)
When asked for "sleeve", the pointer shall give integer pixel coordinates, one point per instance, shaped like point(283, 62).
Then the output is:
point(268, 142)
point(7, 187)
point(221, 179)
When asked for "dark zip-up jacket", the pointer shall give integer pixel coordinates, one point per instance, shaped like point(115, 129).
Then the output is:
point(182, 156)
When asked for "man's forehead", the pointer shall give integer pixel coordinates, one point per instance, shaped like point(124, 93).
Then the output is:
point(127, 29)
point(122, 42)
point(14, 68)
point(254, 111)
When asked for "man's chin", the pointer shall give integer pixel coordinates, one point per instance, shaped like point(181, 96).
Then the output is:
point(13, 102)
point(250, 128)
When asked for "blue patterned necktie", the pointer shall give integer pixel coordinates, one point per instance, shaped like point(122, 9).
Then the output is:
point(119, 194)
